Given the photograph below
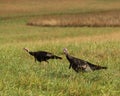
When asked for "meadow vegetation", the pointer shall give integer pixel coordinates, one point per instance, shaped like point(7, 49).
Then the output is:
point(96, 19)
point(21, 76)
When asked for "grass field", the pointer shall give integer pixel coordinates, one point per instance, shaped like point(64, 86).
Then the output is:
point(21, 76)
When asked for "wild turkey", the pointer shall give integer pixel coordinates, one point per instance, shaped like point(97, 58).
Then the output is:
point(42, 55)
point(81, 65)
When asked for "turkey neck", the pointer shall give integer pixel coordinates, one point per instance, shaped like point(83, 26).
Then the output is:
point(68, 56)
point(32, 53)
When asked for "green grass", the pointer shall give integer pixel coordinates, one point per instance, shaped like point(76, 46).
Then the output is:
point(21, 76)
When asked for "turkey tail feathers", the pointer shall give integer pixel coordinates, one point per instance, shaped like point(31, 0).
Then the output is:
point(56, 57)
point(99, 68)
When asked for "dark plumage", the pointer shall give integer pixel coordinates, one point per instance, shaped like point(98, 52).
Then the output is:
point(42, 55)
point(81, 65)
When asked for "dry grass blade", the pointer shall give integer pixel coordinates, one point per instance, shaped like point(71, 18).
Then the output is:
point(99, 19)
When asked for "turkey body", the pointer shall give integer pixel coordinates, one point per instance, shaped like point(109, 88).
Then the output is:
point(81, 65)
point(42, 55)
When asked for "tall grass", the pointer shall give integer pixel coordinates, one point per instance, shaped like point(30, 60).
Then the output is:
point(20, 75)
point(98, 19)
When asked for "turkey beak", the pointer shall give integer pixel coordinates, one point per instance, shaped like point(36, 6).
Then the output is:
point(25, 49)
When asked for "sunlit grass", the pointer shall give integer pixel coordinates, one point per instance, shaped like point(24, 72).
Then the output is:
point(20, 75)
